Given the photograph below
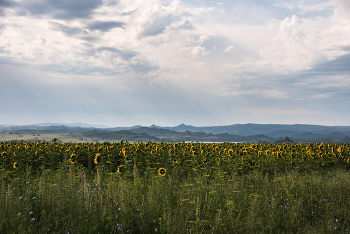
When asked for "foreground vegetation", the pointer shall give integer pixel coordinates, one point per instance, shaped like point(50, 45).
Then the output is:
point(174, 188)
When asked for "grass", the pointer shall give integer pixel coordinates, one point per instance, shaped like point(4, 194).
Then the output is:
point(71, 200)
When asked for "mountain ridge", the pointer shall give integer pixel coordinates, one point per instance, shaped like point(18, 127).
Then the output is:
point(233, 133)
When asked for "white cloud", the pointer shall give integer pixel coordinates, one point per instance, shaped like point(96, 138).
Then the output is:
point(202, 38)
point(228, 48)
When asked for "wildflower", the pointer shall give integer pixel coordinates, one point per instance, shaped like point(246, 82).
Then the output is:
point(27, 182)
point(119, 208)
point(31, 212)
point(33, 219)
point(162, 171)
point(138, 209)
point(336, 220)
point(33, 198)
point(15, 165)
point(20, 198)
point(19, 214)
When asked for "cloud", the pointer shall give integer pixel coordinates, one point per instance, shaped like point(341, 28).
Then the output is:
point(202, 39)
point(65, 9)
point(124, 54)
point(157, 25)
point(267, 56)
point(68, 30)
point(228, 48)
point(105, 26)
point(311, 7)
point(301, 44)
point(187, 25)
point(198, 51)
point(4, 4)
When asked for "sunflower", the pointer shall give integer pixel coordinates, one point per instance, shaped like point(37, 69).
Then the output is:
point(162, 171)
point(120, 169)
point(217, 160)
point(252, 164)
point(73, 158)
point(230, 152)
point(15, 165)
point(97, 158)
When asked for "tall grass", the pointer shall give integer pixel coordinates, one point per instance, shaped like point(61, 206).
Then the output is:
point(70, 200)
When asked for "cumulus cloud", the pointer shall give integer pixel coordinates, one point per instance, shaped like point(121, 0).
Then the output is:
point(300, 44)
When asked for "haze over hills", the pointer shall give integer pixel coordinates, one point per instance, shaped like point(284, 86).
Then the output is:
point(234, 133)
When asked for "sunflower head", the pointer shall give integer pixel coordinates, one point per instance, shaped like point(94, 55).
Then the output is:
point(97, 158)
point(120, 169)
point(230, 152)
point(15, 165)
point(73, 158)
point(252, 164)
point(162, 171)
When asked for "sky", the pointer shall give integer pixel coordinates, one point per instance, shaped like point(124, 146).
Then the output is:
point(168, 62)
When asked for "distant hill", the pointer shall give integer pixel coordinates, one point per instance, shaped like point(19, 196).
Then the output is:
point(118, 135)
point(285, 140)
point(232, 133)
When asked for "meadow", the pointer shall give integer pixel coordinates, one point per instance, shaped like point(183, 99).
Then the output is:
point(174, 188)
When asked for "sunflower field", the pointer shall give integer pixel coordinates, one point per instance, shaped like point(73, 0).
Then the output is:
point(174, 187)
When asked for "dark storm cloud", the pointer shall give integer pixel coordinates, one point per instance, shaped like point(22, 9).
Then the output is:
point(105, 26)
point(62, 9)
point(157, 26)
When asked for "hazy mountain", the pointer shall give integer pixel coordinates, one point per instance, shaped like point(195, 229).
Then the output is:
point(77, 124)
point(337, 135)
point(232, 133)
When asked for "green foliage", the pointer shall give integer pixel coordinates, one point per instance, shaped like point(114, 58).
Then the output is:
point(203, 188)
